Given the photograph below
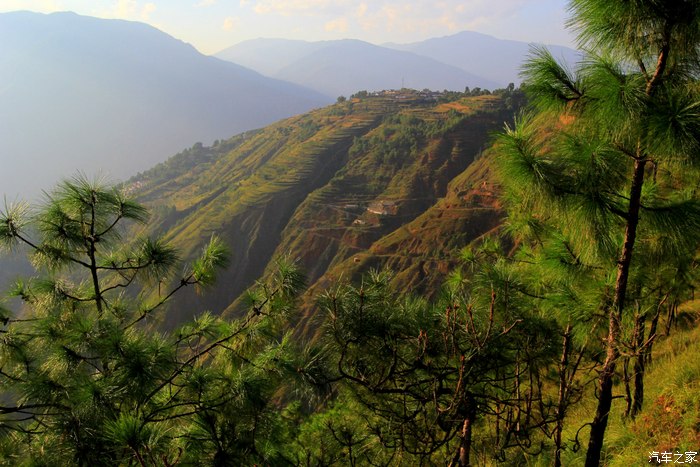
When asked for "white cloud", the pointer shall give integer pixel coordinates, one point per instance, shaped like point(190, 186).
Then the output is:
point(434, 18)
point(422, 8)
point(425, 16)
point(44, 6)
point(337, 25)
point(124, 9)
point(129, 9)
point(230, 23)
point(375, 21)
point(304, 7)
point(146, 11)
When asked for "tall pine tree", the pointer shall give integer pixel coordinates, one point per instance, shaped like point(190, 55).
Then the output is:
point(604, 157)
point(86, 379)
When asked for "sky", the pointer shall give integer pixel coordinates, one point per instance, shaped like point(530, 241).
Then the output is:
point(213, 25)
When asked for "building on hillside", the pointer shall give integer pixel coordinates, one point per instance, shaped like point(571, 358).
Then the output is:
point(383, 208)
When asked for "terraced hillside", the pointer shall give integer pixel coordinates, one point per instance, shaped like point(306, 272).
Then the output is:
point(387, 180)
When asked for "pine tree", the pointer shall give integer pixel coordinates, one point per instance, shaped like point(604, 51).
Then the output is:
point(86, 376)
point(427, 374)
point(601, 159)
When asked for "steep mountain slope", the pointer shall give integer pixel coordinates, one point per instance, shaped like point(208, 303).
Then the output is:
point(369, 182)
point(86, 93)
point(269, 56)
point(495, 59)
point(344, 67)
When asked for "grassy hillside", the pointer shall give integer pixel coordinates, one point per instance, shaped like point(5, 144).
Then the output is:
point(371, 182)
point(670, 420)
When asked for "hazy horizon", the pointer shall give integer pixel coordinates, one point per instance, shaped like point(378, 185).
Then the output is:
point(213, 25)
point(104, 103)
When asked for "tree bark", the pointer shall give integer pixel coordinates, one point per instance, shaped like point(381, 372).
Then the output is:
point(639, 367)
point(605, 380)
point(628, 392)
point(672, 307)
point(92, 252)
point(652, 331)
point(561, 402)
point(464, 452)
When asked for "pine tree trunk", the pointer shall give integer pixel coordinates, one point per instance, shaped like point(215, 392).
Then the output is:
point(640, 355)
point(462, 457)
point(561, 402)
point(605, 383)
point(628, 392)
point(91, 244)
point(465, 448)
point(671, 317)
point(605, 380)
point(652, 331)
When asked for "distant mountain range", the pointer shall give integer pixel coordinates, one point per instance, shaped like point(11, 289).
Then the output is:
point(495, 59)
point(81, 93)
point(343, 67)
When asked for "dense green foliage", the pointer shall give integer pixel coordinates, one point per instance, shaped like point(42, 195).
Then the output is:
point(86, 381)
point(472, 376)
point(534, 331)
point(605, 172)
point(431, 373)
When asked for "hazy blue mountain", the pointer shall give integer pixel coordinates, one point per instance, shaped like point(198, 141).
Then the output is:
point(495, 59)
point(270, 56)
point(344, 67)
point(84, 93)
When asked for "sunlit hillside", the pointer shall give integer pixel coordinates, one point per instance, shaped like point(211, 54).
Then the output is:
point(374, 181)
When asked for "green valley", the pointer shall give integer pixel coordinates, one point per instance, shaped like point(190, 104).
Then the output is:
point(401, 278)
point(394, 180)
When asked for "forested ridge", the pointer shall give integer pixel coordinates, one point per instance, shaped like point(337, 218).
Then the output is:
point(562, 330)
point(394, 179)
